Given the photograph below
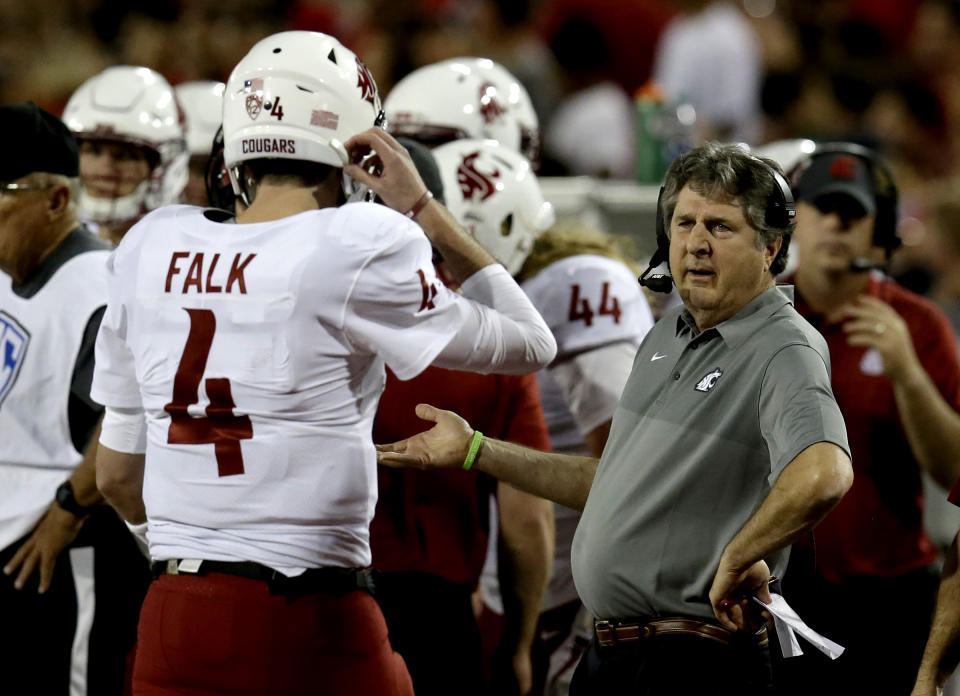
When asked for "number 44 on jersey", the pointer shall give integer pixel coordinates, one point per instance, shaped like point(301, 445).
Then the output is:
point(580, 307)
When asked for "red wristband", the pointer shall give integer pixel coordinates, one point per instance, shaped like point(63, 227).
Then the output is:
point(419, 205)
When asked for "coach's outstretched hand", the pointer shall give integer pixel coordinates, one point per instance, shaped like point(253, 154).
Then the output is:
point(444, 446)
point(385, 166)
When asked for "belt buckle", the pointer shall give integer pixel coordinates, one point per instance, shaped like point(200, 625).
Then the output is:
point(602, 626)
point(183, 566)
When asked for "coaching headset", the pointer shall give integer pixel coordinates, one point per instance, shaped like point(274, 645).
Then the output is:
point(884, 192)
point(780, 211)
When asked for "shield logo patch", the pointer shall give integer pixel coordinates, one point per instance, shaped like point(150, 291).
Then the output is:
point(14, 340)
point(254, 105)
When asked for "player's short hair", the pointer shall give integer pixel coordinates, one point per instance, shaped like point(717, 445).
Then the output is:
point(722, 171)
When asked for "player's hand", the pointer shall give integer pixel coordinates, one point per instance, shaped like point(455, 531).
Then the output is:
point(873, 323)
point(445, 445)
point(732, 595)
point(55, 532)
point(385, 166)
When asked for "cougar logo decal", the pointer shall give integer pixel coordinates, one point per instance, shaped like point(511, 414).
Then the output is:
point(709, 381)
point(254, 106)
point(474, 182)
point(490, 108)
point(368, 88)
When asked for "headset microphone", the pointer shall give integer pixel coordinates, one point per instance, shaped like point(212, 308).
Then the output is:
point(659, 282)
point(861, 264)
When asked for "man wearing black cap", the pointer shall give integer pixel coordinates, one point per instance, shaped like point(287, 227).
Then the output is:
point(897, 381)
point(73, 578)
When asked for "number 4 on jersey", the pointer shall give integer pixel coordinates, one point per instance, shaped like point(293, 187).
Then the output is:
point(221, 427)
point(580, 306)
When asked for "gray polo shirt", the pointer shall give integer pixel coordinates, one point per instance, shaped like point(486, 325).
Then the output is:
point(706, 423)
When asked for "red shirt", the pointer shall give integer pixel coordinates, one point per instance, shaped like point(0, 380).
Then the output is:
point(437, 521)
point(877, 529)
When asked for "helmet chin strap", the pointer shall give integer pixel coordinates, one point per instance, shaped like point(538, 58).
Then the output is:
point(112, 211)
point(353, 191)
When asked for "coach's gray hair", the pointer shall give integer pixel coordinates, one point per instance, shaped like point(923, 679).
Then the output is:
point(715, 170)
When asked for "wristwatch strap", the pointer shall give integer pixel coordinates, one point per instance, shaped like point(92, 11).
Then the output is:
point(68, 501)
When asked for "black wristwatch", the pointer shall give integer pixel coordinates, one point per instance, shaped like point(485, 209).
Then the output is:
point(68, 501)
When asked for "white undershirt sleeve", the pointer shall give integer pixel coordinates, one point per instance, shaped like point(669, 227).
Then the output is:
point(503, 332)
point(124, 430)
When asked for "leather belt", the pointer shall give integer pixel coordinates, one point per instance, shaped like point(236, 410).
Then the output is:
point(610, 633)
point(335, 581)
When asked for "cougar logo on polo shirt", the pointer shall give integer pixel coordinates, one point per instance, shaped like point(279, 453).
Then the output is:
point(13, 347)
point(709, 381)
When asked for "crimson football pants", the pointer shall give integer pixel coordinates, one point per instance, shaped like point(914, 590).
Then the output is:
point(228, 636)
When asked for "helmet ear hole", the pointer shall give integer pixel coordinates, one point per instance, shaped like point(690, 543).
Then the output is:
point(506, 225)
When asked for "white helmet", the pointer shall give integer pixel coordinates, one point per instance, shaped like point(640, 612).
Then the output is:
point(494, 193)
point(448, 101)
point(297, 95)
point(202, 101)
point(135, 106)
point(787, 153)
point(518, 101)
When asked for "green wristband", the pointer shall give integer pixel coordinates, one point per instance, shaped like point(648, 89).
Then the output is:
point(474, 448)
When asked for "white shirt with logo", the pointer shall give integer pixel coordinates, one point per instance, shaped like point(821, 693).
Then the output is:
point(39, 342)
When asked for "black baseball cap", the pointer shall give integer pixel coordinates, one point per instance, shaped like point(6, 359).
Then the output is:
point(36, 141)
point(833, 173)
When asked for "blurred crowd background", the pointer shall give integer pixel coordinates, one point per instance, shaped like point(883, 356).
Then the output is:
point(885, 73)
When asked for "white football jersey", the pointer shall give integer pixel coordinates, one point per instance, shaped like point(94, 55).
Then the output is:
point(39, 342)
point(257, 352)
point(589, 301)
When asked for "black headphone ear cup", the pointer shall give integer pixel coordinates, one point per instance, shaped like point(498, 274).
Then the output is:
point(781, 208)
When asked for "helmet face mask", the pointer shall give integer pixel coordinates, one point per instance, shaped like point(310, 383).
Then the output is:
point(297, 95)
point(493, 192)
point(132, 106)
